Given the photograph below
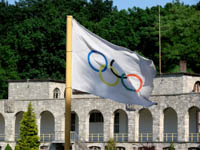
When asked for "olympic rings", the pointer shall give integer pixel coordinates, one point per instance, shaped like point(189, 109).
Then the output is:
point(101, 77)
point(94, 51)
point(103, 68)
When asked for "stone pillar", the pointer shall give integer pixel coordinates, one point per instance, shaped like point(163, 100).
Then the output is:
point(38, 123)
point(9, 127)
point(183, 126)
point(84, 126)
point(158, 125)
point(112, 126)
point(59, 127)
point(136, 129)
point(131, 126)
point(106, 127)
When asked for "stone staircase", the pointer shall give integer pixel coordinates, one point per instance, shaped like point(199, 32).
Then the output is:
point(79, 143)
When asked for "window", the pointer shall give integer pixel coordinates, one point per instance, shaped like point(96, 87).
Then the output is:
point(198, 121)
point(73, 122)
point(116, 123)
point(94, 148)
point(96, 117)
point(121, 148)
point(193, 148)
point(146, 148)
point(44, 147)
point(196, 87)
point(56, 93)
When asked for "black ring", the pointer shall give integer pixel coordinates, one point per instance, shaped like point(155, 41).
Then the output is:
point(111, 63)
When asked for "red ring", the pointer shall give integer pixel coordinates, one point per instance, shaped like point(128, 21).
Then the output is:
point(139, 78)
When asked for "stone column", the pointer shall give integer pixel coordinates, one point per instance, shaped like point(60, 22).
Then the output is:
point(59, 127)
point(136, 129)
point(131, 126)
point(9, 127)
point(183, 126)
point(38, 123)
point(158, 124)
point(84, 125)
point(107, 128)
point(112, 126)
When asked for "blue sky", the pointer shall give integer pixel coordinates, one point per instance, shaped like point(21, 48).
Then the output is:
point(124, 4)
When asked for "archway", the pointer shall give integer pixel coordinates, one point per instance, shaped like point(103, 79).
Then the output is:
point(120, 126)
point(2, 128)
point(96, 123)
point(47, 127)
point(18, 118)
point(145, 125)
point(194, 124)
point(170, 125)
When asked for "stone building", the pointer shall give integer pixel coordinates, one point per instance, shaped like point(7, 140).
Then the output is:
point(94, 120)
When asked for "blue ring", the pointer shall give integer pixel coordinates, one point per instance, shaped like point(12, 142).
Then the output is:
point(94, 51)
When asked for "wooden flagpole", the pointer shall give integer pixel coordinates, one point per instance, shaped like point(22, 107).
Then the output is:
point(160, 53)
point(68, 81)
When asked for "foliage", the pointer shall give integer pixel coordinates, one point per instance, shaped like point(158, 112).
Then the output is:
point(171, 147)
point(8, 147)
point(111, 145)
point(29, 139)
point(32, 35)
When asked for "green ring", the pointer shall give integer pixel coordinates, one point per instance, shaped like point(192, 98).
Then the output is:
point(122, 80)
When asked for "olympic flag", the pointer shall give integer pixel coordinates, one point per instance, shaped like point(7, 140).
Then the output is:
point(109, 71)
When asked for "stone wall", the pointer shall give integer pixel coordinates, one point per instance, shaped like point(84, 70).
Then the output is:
point(82, 105)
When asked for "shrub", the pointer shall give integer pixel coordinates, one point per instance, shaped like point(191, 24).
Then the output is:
point(111, 145)
point(8, 147)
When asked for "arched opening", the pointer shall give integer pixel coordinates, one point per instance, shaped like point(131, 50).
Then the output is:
point(56, 93)
point(65, 93)
point(170, 125)
point(196, 87)
point(74, 126)
point(194, 124)
point(193, 148)
point(120, 126)
point(95, 148)
point(145, 125)
point(2, 128)
point(47, 127)
point(18, 118)
point(96, 124)
point(120, 148)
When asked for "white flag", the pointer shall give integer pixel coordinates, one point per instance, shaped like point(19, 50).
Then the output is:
point(109, 71)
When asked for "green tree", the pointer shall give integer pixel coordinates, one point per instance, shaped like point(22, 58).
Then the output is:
point(8, 147)
point(171, 147)
point(180, 28)
point(29, 139)
point(111, 145)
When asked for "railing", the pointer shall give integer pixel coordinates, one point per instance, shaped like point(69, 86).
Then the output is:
point(170, 137)
point(96, 137)
point(47, 138)
point(194, 137)
point(121, 137)
point(73, 136)
point(145, 137)
point(2, 137)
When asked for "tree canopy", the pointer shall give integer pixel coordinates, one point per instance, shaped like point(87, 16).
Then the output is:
point(32, 35)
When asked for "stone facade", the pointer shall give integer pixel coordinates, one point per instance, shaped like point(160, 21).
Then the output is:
point(172, 92)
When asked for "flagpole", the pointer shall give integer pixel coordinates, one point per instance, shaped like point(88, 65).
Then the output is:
point(160, 54)
point(68, 81)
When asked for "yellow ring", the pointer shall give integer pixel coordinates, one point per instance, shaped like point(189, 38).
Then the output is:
point(105, 82)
